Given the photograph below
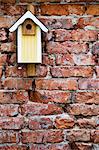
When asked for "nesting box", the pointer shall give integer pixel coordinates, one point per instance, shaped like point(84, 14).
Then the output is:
point(29, 38)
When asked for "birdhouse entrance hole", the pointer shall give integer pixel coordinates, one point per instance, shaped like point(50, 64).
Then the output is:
point(28, 26)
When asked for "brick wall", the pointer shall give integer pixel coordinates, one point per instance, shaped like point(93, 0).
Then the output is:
point(58, 109)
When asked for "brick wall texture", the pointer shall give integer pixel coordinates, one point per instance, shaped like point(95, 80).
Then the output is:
point(59, 108)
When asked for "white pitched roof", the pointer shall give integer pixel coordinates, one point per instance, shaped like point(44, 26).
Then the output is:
point(28, 15)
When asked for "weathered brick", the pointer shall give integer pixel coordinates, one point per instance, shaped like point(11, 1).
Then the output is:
point(84, 35)
point(9, 110)
point(12, 59)
point(3, 35)
point(73, 59)
point(40, 1)
point(40, 109)
point(97, 71)
point(3, 59)
point(82, 109)
point(50, 147)
point(95, 136)
point(13, 147)
point(38, 123)
point(88, 21)
point(41, 71)
point(81, 146)
point(45, 96)
point(87, 123)
point(89, 84)
point(16, 83)
point(95, 48)
point(57, 22)
point(62, 35)
point(1, 71)
point(87, 97)
point(8, 1)
point(15, 71)
point(92, 10)
point(13, 123)
point(64, 122)
point(78, 135)
point(56, 84)
point(68, 46)
point(75, 35)
point(76, 71)
point(50, 136)
point(48, 60)
point(8, 137)
point(65, 59)
point(15, 97)
point(62, 9)
point(12, 10)
point(7, 47)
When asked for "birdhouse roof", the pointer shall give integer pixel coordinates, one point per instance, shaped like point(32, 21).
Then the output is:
point(28, 15)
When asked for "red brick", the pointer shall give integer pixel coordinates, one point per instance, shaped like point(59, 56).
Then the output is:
point(15, 97)
point(12, 59)
point(8, 137)
point(48, 60)
point(41, 71)
point(82, 109)
point(7, 47)
point(44, 96)
point(76, 71)
point(3, 59)
point(92, 10)
point(68, 46)
point(64, 59)
point(73, 59)
point(64, 122)
point(95, 136)
point(84, 59)
point(83, 35)
point(87, 123)
point(11, 123)
point(75, 35)
point(88, 21)
point(12, 10)
point(87, 97)
point(56, 22)
point(81, 146)
point(78, 135)
point(40, 123)
point(50, 136)
point(95, 48)
point(89, 84)
point(13, 147)
point(1, 71)
point(3, 35)
point(62, 9)
point(56, 84)
point(50, 147)
point(8, 110)
point(16, 83)
point(62, 35)
point(40, 1)
point(8, 1)
point(40, 109)
point(15, 71)
point(97, 71)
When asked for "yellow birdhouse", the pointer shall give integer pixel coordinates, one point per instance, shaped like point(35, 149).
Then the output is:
point(29, 38)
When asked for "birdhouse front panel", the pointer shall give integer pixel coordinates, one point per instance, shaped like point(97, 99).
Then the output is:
point(29, 43)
